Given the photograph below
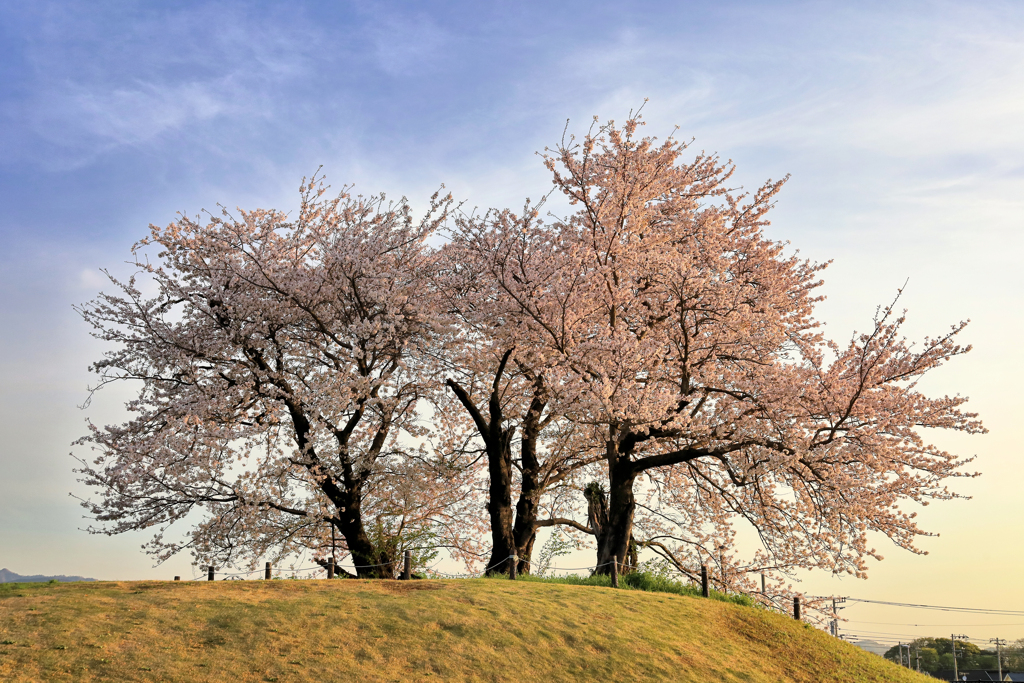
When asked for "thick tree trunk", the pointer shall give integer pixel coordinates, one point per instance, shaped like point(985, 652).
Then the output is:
point(524, 531)
point(499, 506)
point(370, 562)
point(615, 531)
point(597, 519)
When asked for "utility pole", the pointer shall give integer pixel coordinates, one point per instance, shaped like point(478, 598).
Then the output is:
point(899, 649)
point(999, 654)
point(952, 644)
point(918, 659)
point(952, 641)
point(835, 614)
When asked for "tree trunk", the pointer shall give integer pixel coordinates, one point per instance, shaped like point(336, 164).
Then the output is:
point(370, 562)
point(499, 505)
point(524, 531)
point(612, 521)
point(597, 519)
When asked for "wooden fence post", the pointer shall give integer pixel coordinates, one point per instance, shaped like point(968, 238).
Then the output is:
point(512, 567)
point(266, 572)
point(330, 568)
point(407, 570)
point(209, 574)
point(796, 608)
point(704, 590)
point(615, 571)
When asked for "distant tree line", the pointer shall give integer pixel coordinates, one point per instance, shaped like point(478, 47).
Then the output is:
point(936, 655)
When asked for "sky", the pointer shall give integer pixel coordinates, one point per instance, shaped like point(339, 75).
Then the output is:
point(899, 124)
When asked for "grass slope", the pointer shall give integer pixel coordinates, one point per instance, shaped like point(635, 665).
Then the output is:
point(468, 630)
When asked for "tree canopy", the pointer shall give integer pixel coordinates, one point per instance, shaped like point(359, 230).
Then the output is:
point(645, 369)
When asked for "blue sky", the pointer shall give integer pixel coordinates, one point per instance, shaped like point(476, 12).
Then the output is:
point(902, 126)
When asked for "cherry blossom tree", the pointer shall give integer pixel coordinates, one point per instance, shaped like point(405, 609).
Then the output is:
point(280, 376)
point(684, 339)
point(331, 383)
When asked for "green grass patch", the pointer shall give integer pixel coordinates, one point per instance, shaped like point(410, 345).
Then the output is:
point(641, 581)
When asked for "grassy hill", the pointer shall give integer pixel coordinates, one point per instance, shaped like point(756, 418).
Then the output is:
point(469, 630)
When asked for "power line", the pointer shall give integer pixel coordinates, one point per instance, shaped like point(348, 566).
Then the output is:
point(888, 635)
point(897, 623)
point(963, 610)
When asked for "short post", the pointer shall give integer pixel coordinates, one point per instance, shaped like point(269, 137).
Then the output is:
point(209, 574)
point(407, 570)
point(704, 581)
point(615, 571)
point(330, 568)
point(177, 578)
point(512, 567)
point(796, 608)
point(266, 572)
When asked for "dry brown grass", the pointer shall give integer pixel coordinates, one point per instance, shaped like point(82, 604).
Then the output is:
point(469, 630)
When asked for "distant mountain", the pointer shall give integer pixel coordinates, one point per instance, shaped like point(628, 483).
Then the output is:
point(7, 576)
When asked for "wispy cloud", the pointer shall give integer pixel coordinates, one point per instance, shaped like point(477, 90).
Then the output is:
point(99, 77)
point(83, 116)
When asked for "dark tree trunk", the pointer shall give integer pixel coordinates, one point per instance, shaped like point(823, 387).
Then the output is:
point(347, 496)
point(614, 519)
point(498, 443)
point(524, 532)
point(370, 562)
point(621, 509)
point(597, 519)
point(511, 534)
point(526, 554)
point(499, 506)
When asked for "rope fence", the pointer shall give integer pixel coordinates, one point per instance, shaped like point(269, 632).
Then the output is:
point(512, 560)
point(430, 571)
